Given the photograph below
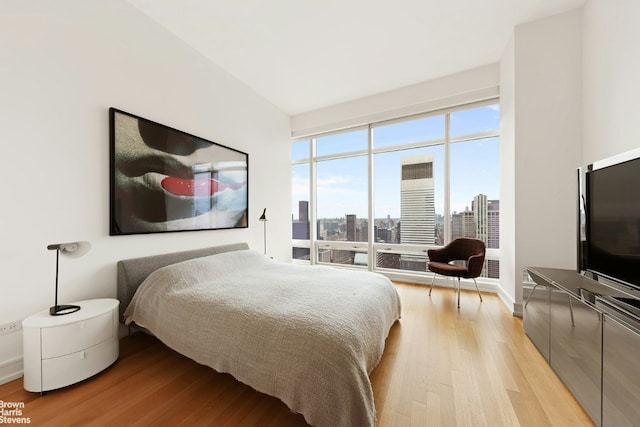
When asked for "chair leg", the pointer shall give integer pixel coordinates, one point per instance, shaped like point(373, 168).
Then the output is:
point(474, 281)
point(458, 292)
point(432, 279)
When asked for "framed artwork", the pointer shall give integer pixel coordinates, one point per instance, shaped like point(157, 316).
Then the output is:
point(165, 180)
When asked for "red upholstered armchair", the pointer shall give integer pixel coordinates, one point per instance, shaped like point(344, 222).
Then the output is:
point(462, 257)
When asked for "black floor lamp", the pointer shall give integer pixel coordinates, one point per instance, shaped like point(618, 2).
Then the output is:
point(264, 220)
point(71, 250)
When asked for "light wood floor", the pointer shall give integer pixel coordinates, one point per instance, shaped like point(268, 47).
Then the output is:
point(442, 366)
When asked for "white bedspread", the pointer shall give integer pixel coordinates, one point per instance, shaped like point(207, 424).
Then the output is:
point(308, 335)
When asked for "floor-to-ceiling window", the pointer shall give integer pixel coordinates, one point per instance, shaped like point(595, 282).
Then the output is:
point(378, 196)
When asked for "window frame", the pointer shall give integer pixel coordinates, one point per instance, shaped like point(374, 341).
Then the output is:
point(371, 247)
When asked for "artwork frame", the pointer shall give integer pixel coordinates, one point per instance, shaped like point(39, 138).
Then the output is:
point(166, 180)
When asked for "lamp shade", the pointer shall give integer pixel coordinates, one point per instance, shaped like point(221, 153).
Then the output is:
point(71, 250)
point(263, 218)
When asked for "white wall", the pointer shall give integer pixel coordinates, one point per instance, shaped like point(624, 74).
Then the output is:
point(62, 65)
point(508, 275)
point(574, 97)
point(472, 85)
point(543, 92)
point(611, 78)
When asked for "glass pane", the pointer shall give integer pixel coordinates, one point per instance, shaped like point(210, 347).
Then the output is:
point(401, 260)
point(409, 196)
point(342, 142)
point(342, 199)
point(300, 150)
point(418, 130)
point(475, 183)
point(492, 269)
point(481, 119)
point(301, 253)
point(342, 256)
point(300, 201)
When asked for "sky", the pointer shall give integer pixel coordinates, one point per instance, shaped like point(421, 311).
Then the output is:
point(342, 183)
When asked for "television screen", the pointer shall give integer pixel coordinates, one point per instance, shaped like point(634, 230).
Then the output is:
point(163, 179)
point(613, 221)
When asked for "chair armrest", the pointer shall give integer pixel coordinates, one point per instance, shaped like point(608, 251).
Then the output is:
point(475, 264)
point(437, 255)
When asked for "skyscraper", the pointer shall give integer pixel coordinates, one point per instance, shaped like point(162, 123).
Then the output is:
point(417, 200)
point(303, 210)
point(462, 224)
point(493, 241)
point(417, 207)
point(301, 230)
point(301, 225)
point(493, 224)
point(481, 222)
point(480, 208)
point(352, 228)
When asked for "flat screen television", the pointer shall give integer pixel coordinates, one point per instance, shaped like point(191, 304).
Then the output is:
point(612, 218)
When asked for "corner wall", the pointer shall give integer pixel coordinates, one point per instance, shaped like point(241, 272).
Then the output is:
point(508, 276)
point(611, 78)
point(64, 63)
point(542, 86)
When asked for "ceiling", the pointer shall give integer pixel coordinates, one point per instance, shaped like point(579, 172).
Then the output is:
point(303, 55)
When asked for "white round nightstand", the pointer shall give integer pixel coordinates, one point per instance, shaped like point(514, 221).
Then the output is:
point(63, 350)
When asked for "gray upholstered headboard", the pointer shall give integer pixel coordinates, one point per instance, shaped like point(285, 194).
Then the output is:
point(132, 272)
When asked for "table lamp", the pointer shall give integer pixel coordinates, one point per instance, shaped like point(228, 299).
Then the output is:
point(71, 250)
point(264, 220)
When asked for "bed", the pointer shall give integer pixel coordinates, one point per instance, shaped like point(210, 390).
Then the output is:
point(308, 335)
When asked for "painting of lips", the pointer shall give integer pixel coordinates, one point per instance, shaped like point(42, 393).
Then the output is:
point(164, 179)
point(192, 187)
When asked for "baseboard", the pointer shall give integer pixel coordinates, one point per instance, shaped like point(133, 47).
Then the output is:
point(449, 282)
point(441, 281)
point(11, 370)
point(514, 307)
point(517, 309)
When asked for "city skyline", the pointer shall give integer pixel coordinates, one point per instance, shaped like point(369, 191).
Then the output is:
point(345, 192)
point(463, 224)
point(482, 222)
point(407, 174)
point(342, 184)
